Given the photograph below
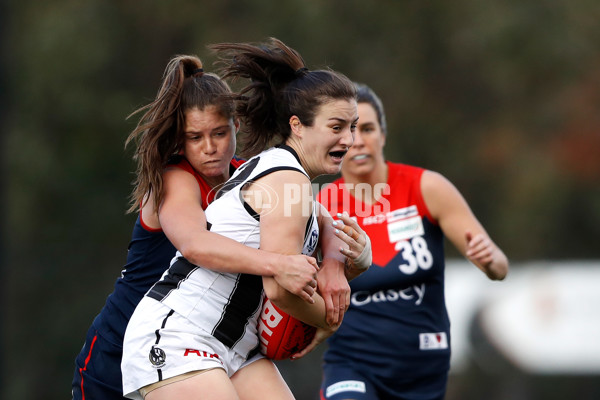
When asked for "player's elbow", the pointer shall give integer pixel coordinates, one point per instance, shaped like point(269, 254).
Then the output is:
point(194, 254)
point(498, 271)
point(275, 292)
point(498, 275)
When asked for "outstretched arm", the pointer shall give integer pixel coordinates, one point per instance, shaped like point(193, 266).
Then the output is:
point(461, 227)
point(183, 221)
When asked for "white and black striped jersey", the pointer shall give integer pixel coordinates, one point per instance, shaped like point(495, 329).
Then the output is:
point(224, 304)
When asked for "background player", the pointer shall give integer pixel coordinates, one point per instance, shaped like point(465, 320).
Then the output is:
point(395, 339)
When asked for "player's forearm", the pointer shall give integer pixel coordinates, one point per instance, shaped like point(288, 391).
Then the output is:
point(311, 314)
point(219, 253)
point(329, 242)
point(498, 268)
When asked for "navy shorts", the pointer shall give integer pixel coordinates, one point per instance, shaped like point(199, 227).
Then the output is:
point(342, 381)
point(98, 370)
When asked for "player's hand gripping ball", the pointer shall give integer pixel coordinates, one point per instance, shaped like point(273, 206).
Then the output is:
point(280, 334)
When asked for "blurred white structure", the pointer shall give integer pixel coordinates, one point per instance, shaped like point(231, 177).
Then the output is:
point(544, 317)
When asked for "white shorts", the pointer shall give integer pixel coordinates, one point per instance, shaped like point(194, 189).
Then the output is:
point(160, 344)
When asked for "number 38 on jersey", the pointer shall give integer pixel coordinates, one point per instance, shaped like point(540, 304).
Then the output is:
point(416, 255)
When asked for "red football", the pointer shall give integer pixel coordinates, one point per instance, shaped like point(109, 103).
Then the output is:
point(280, 334)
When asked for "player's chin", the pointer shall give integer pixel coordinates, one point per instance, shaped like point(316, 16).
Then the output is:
point(214, 169)
point(333, 165)
point(354, 169)
point(332, 170)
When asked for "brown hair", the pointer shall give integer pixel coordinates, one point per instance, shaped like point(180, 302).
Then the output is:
point(280, 86)
point(367, 95)
point(159, 132)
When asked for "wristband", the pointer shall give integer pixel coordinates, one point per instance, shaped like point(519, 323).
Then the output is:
point(365, 259)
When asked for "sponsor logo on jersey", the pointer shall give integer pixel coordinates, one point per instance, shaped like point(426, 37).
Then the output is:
point(375, 219)
point(345, 386)
point(405, 229)
point(433, 341)
point(391, 216)
point(202, 354)
point(311, 245)
point(414, 293)
point(402, 224)
point(157, 357)
point(402, 213)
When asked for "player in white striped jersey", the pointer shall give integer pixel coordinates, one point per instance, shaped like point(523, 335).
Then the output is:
point(194, 334)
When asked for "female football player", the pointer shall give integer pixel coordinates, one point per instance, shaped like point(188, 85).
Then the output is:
point(395, 339)
point(194, 335)
point(185, 141)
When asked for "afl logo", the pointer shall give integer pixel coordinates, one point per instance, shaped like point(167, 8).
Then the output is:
point(312, 241)
point(157, 357)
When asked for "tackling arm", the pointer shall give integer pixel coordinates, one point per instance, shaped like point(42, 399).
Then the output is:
point(183, 221)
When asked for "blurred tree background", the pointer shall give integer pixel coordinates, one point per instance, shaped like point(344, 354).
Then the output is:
point(502, 97)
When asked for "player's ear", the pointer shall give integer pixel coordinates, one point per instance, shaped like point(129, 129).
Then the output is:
point(296, 126)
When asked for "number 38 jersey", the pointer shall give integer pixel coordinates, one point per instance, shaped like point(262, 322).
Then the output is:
point(397, 324)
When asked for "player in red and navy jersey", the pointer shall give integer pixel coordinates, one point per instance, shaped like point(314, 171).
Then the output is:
point(394, 342)
point(185, 150)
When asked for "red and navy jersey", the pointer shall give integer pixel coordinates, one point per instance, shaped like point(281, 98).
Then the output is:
point(397, 323)
point(208, 193)
point(149, 255)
